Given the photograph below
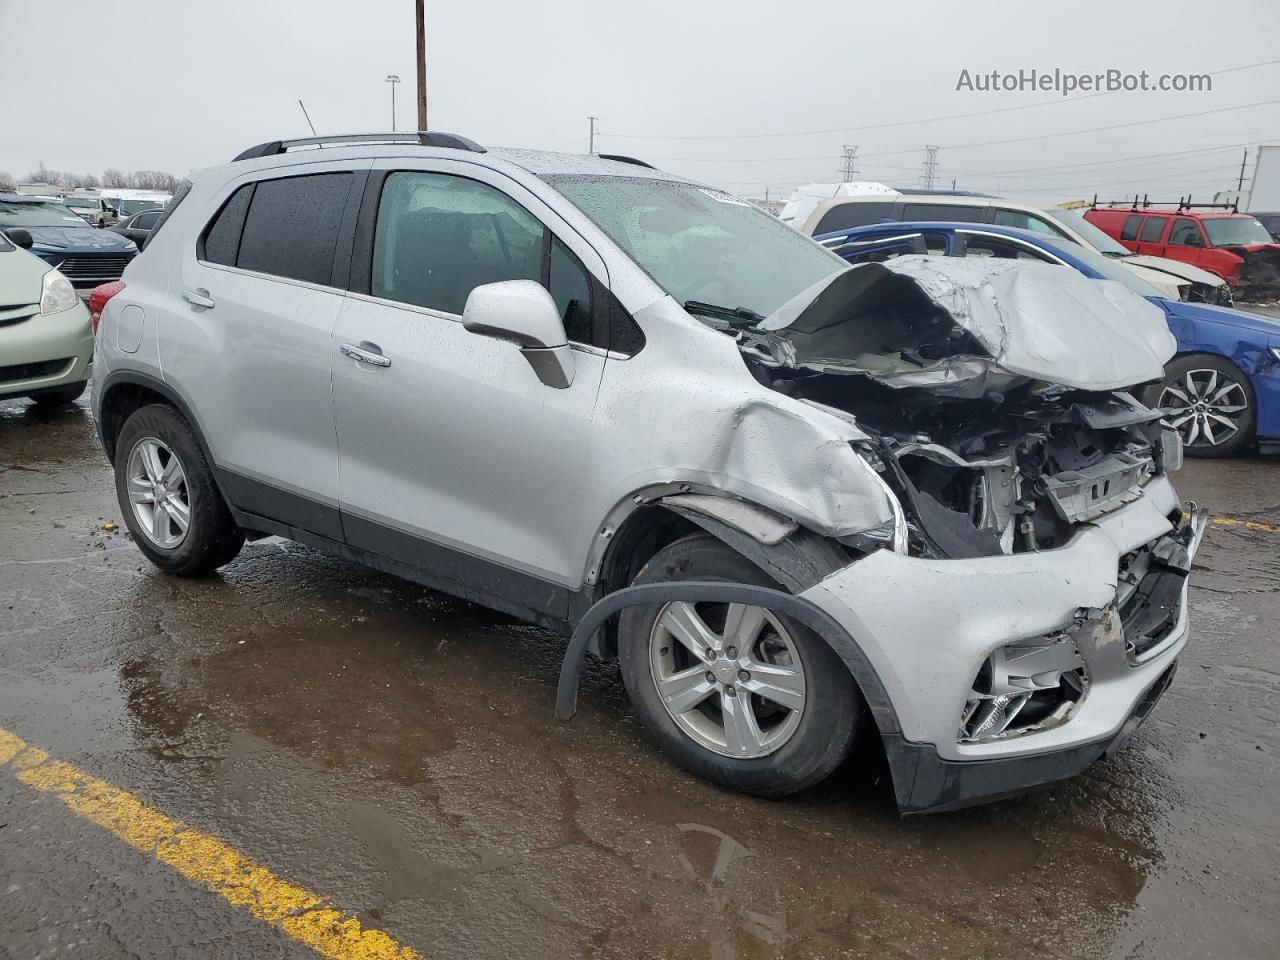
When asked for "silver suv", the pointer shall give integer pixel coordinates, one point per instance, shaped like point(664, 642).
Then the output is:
point(797, 500)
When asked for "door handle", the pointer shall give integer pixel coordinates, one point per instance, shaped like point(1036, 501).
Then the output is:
point(198, 298)
point(365, 352)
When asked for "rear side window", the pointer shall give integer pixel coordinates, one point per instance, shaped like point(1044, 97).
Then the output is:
point(942, 211)
point(222, 238)
point(1131, 225)
point(1152, 229)
point(146, 221)
point(845, 216)
point(291, 228)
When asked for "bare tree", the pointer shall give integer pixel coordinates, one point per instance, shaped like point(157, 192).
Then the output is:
point(112, 177)
point(7, 183)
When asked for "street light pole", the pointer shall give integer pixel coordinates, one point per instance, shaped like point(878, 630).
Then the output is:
point(393, 80)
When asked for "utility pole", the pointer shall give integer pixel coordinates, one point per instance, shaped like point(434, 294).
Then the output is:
point(393, 80)
point(591, 134)
point(930, 165)
point(422, 65)
point(849, 160)
point(1243, 161)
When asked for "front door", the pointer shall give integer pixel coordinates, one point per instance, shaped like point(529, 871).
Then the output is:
point(454, 457)
point(1186, 241)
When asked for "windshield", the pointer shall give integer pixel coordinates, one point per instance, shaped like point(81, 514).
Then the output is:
point(130, 207)
point(80, 202)
point(41, 213)
point(1091, 235)
point(702, 245)
point(1108, 268)
point(1225, 231)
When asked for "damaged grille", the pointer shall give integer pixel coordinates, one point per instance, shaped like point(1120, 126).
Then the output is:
point(1149, 592)
point(1023, 688)
point(1088, 493)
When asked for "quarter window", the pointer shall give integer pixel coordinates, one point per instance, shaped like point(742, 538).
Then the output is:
point(1152, 229)
point(1131, 225)
point(570, 288)
point(291, 229)
point(222, 238)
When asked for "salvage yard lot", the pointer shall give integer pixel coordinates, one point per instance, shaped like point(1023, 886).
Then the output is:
point(392, 752)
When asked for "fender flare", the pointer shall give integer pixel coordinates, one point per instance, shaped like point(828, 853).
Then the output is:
point(156, 385)
point(805, 611)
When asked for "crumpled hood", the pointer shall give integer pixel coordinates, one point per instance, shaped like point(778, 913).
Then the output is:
point(1176, 268)
point(81, 238)
point(1034, 320)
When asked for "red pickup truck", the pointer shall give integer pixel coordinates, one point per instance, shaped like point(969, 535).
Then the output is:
point(1235, 246)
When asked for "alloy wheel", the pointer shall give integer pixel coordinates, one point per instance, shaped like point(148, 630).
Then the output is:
point(1206, 406)
point(158, 493)
point(729, 675)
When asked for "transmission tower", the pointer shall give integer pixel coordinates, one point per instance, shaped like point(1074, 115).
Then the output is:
point(849, 171)
point(930, 176)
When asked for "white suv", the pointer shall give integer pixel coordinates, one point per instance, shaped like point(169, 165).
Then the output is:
point(902, 498)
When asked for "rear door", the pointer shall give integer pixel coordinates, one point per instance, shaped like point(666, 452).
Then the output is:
point(248, 339)
point(454, 457)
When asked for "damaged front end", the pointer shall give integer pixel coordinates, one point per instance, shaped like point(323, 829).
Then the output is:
point(992, 393)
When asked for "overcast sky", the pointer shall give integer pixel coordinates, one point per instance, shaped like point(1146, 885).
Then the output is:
point(746, 95)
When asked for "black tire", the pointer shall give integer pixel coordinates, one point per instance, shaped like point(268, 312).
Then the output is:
point(1246, 420)
point(61, 396)
point(212, 538)
point(829, 719)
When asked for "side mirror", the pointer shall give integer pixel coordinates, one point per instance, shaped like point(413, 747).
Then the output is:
point(523, 312)
point(19, 237)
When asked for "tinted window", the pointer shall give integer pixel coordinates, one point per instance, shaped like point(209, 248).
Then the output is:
point(291, 229)
point(222, 238)
point(1001, 249)
point(1028, 221)
point(570, 287)
point(847, 215)
point(1186, 232)
point(145, 221)
point(1131, 225)
point(942, 211)
point(438, 237)
point(1152, 229)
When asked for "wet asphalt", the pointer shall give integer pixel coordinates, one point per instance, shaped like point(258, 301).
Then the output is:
point(394, 751)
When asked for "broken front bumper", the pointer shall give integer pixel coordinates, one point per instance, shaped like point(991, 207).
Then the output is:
point(926, 626)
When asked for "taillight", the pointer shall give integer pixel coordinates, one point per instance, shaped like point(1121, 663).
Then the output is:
point(98, 298)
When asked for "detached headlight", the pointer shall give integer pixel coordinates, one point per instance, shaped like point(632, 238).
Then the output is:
point(56, 294)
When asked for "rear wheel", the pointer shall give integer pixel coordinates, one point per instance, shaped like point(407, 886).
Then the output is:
point(168, 496)
point(1209, 401)
point(740, 695)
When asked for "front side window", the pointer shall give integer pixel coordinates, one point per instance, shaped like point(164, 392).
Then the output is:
point(1028, 221)
point(1153, 229)
point(291, 227)
point(1131, 226)
point(700, 245)
point(438, 237)
point(1186, 232)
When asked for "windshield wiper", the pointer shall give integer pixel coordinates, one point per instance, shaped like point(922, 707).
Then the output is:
point(734, 316)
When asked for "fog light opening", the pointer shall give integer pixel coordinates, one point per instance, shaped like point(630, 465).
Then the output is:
point(1024, 687)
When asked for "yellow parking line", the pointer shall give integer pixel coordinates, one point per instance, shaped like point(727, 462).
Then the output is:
point(1247, 524)
point(202, 859)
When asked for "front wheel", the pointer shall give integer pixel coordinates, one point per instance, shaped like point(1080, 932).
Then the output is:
point(1209, 401)
point(739, 695)
point(168, 496)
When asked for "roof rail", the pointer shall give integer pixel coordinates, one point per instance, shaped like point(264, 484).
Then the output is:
point(1184, 203)
point(619, 158)
point(424, 138)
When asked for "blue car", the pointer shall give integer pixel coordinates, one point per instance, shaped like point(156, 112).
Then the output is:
point(1221, 390)
point(85, 255)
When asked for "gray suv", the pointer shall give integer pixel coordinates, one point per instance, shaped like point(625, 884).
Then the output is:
point(798, 501)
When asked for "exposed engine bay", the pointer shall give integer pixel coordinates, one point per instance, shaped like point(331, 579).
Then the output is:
point(998, 430)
